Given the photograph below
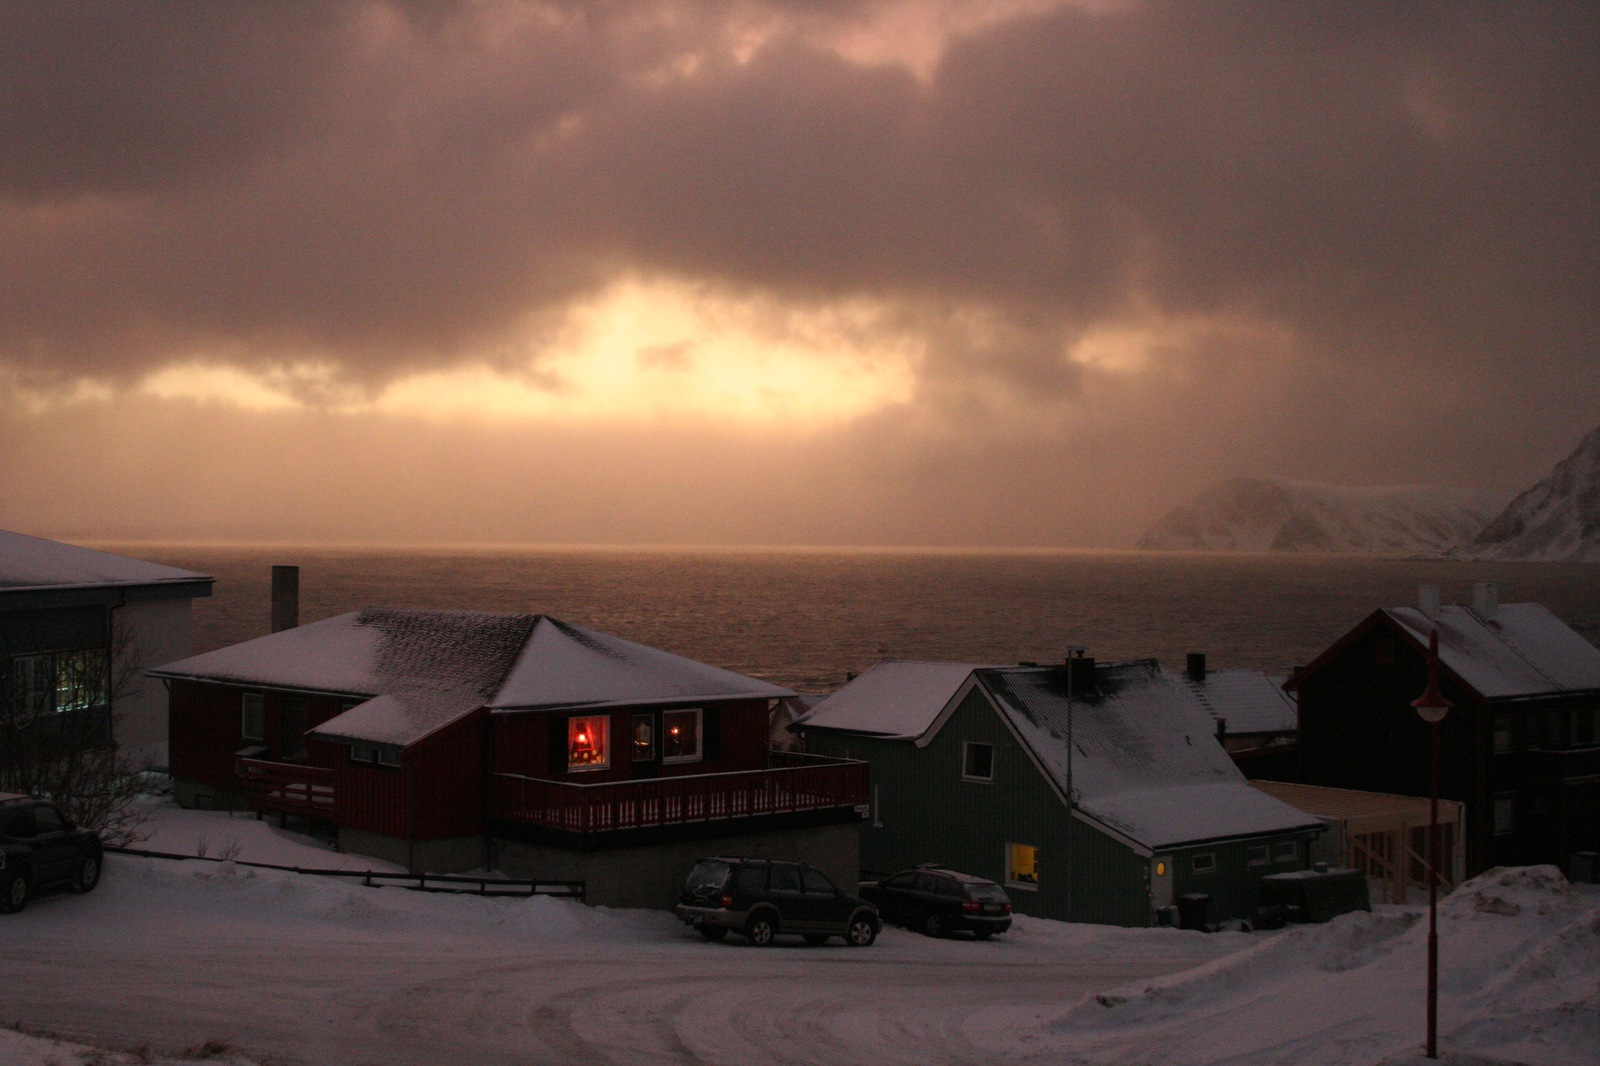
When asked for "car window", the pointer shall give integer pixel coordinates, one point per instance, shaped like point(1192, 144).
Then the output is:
point(925, 883)
point(901, 881)
point(21, 824)
point(947, 886)
point(49, 819)
point(750, 878)
point(987, 890)
point(707, 875)
point(815, 882)
point(785, 879)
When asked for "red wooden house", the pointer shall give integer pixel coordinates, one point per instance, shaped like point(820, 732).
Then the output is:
point(454, 740)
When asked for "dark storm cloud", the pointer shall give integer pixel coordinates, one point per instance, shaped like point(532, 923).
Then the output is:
point(1411, 187)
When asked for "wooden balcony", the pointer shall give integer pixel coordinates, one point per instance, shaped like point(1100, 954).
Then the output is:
point(287, 788)
point(790, 784)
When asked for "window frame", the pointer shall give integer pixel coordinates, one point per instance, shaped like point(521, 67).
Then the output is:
point(699, 753)
point(1012, 848)
point(259, 710)
point(600, 726)
point(1258, 855)
point(1286, 851)
point(389, 757)
point(968, 748)
point(1203, 863)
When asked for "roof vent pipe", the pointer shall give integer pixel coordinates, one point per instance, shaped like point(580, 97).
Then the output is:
point(1486, 600)
point(1195, 666)
point(285, 598)
point(1428, 602)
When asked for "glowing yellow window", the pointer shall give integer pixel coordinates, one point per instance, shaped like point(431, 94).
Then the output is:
point(587, 743)
point(1022, 865)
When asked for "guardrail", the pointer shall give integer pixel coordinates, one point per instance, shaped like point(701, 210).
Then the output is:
point(457, 883)
point(287, 788)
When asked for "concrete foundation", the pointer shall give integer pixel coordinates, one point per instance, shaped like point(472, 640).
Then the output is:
point(651, 875)
point(453, 856)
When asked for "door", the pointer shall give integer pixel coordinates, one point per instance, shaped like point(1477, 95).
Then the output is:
point(1161, 881)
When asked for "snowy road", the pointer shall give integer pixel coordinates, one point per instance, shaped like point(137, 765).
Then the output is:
point(302, 970)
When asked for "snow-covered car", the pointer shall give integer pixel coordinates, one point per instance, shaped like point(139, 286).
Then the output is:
point(940, 901)
point(763, 898)
point(41, 848)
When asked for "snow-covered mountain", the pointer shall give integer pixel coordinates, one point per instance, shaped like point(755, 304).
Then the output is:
point(1559, 518)
point(1277, 514)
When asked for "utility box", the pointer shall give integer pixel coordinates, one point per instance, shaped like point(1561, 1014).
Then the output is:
point(1316, 895)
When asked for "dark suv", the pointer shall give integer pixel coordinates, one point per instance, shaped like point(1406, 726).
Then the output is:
point(41, 848)
point(940, 901)
point(761, 898)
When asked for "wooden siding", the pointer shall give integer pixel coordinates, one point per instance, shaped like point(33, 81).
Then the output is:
point(204, 731)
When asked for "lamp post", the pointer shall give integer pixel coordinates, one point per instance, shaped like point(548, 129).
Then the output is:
point(1432, 707)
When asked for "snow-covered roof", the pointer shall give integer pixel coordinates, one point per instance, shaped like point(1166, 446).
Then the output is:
point(414, 671)
point(897, 698)
point(565, 665)
point(1144, 760)
point(1520, 650)
point(35, 563)
point(1249, 701)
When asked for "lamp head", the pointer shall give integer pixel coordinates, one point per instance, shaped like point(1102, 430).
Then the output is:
point(1431, 705)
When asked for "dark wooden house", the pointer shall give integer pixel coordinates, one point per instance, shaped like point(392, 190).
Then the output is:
point(1520, 747)
point(454, 740)
point(78, 629)
point(1093, 792)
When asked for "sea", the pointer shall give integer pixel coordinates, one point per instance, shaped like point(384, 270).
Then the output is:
point(808, 618)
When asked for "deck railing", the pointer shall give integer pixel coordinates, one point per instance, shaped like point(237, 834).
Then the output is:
point(287, 788)
point(791, 783)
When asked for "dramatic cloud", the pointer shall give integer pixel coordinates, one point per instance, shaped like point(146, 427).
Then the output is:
point(1144, 244)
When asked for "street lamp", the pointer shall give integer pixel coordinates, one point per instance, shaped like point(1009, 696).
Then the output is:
point(1432, 707)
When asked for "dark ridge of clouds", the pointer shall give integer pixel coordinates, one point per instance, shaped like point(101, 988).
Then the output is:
point(1407, 193)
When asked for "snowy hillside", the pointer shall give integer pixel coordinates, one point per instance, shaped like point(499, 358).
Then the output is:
point(1277, 514)
point(1559, 518)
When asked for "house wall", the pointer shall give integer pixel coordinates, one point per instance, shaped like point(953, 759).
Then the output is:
point(159, 632)
point(1233, 881)
point(735, 738)
point(652, 875)
point(922, 811)
point(205, 735)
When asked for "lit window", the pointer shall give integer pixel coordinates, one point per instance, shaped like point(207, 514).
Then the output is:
point(1203, 864)
point(1022, 865)
point(80, 680)
point(1285, 851)
point(977, 761)
point(680, 736)
point(587, 743)
point(1257, 855)
point(253, 716)
point(644, 738)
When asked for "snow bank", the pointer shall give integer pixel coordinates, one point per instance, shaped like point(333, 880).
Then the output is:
point(1519, 963)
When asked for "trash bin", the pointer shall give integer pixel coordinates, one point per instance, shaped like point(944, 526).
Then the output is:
point(1194, 911)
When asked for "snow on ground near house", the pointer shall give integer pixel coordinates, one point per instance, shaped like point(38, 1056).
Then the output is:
point(240, 835)
point(302, 969)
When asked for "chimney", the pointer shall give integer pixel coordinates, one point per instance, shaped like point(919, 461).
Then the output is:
point(1428, 602)
point(1195, 666)
point(1222, 731)
point(1080, 671)
point(1486, 600)
point(285, 598)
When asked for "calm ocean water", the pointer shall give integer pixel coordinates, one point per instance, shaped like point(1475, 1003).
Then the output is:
point(804, 618)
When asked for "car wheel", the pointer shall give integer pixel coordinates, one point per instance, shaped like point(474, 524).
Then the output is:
point(16, 896)
point(936, 925)
point(862, 932)
point(760, 930)
point(713, 932)
point(816, 939)
point(86, 874)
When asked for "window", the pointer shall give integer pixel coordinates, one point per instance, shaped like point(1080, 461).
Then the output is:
point(365, 753)
point(977, 761)
point(1257, 855)
point(784, 879)
point(31, 681)
point(588, 743)
point(294, 727)
point(680, 736)
point(815, 884)
point(253, 716)
point(388, 756)
point(1505, 815)
point(80, 680)
point(644, 738)
point(1502, 734)
point(1579, 724)
point(48, 819)
point(1286, 851)
point(1022, 865)
point(1203, 863)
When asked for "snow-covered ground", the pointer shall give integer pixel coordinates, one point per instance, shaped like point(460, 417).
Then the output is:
point(167, 958)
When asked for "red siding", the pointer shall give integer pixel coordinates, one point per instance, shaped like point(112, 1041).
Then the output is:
point(446, 772)
point(204, 722)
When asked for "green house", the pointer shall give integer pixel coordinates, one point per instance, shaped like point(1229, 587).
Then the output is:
point(973, 767)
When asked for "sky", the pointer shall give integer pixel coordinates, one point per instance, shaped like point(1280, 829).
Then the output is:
point(1017, 273)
